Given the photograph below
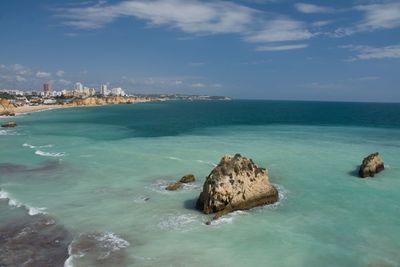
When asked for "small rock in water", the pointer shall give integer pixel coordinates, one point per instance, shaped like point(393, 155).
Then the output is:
point(371, 165)
point(189, 178)
point(174, 186)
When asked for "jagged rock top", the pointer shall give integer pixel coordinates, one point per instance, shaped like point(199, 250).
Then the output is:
point(236, 183)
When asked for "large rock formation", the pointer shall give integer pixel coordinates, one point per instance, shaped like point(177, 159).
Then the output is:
point(6, 108)
point(188, 178)
point(236, 184)
point(371, 165)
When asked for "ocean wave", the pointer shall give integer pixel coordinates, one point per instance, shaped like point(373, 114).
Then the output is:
point(12, 202)
point(175, 158)
point(49, 154)
point(160, 186)
point(8, 132)
point(228, 218)
point(178, 222)
point(206, 162)
point(32, 146)
point(97, 247)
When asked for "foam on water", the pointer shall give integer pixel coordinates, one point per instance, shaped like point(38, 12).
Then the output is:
point(175, 158)
point(206, 162)
point(160, 186)
point(12, 202)
point(8, 132)
point(178, 222)
point(98, 246)
point(32, 146)
point(49, 154)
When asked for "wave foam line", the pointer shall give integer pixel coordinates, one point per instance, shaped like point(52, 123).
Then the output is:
point(32, 146)
point(12, 202)
point(49, 154)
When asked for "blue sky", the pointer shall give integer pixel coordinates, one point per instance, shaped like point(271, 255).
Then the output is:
point(346, 50)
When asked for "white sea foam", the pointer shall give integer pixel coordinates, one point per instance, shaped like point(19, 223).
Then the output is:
point(32, 146)
point(228, 218)
point(206, 162)
point(49, 154)
point(112, 241)
point(12, 202)
point(175, 158)
point(178, 222)
point(160, 185)
point(8, 132)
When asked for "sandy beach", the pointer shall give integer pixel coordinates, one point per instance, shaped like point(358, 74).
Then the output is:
point(28, 109)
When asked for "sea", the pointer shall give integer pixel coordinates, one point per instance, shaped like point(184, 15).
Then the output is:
point(85, 186)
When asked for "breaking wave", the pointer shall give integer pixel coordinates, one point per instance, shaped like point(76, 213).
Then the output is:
point(32, 146)
point(49, 154)
point(97, 248)
point(178, 222)
point(12, 202)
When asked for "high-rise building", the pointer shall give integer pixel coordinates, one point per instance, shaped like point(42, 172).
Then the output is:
point(47, 88)
point(78, 87)
point(104, 90)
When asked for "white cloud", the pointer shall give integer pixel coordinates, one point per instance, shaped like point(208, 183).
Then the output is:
point(380, 16)
point(43, 74)
point(368, 52)
point(280, 30)
point(375, 17)
point(193, 17)
point(19, 78)
point(321, 23)
point(310, 8)
point(281, 47)
point(60, 73)
point(190, 16)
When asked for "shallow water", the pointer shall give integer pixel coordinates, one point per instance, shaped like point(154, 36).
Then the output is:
point(101, 173)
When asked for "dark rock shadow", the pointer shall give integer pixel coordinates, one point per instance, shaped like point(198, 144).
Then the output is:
point(354, 172)
point(190, 204)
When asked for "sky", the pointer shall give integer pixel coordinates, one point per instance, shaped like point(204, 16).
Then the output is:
point(343, 50)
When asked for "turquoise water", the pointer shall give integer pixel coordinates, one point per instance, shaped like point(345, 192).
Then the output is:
point(93, 168)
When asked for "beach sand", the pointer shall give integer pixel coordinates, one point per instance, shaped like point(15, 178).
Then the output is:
point(28, 109)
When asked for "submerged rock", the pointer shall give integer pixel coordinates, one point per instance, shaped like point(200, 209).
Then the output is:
point(10, 124)
point(236, 183)
point(189, 178)
point(371, 165)
point(33, 241)
point(174, 186)
point(99, 249)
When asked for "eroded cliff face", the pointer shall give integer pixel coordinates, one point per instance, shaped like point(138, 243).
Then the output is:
point(236, 183)
point(6, 108)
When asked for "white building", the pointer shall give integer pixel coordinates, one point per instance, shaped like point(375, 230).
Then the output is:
point(117, 91)
point(78, 88)
point(103, 90)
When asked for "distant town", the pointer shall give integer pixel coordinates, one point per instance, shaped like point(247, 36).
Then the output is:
point(49, 96)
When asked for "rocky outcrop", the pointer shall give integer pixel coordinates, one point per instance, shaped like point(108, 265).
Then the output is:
point(189, 178)
point(10, 124)
point(236, 183)
point(371, 165)
point(6, 108)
